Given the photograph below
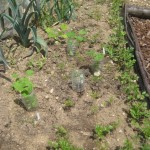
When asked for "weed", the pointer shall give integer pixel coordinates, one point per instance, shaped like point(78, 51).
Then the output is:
point(61, 131)
point(96, 79)
point(101, 131)
point(95, 14)
point(127, 145)
point(38, 64)
point(95, 95)
point(68, 103)
point(108, 102)
point(61, 66)
point(94, 109)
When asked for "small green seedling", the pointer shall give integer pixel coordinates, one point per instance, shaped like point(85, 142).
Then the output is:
point(68, 103)
point(127, 145)
point(24, 86)
point(36, 64)
point(102, 130)
point(96, 57)
point(62, 144)
point(94, 109)
point(56, 34)
point(78, 36)
point(61, 131)
point(95, 95)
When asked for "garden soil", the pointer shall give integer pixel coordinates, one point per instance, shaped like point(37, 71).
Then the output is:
point(24, 130)
point(141, 27)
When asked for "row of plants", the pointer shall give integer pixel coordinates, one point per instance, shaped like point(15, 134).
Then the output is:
point(25, 23)
point(139, 114)
point(36, 13)
point(59, 11)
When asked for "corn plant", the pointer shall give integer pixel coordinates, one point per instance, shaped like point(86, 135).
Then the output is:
point(22, 22)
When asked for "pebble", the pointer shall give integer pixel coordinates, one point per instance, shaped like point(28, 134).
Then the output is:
point(52, 90)
point(47, 97)
point(97, 74)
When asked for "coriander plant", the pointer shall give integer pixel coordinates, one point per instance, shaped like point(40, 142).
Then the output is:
point(101, 131)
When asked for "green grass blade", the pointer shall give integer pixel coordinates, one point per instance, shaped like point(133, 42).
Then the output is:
point(26, 11)
point(2, 58)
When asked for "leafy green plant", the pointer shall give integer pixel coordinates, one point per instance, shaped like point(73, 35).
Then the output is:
point(62, 32)
point(145, 129)
point(124, 57)
point(127, 145)
point(57, 34)
point(24, 86)
point(101, 131)
point(97, 57)
point(24, 23)
point(79, 36)
point(145, 147)
point(62, 144)
point(139, 111)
